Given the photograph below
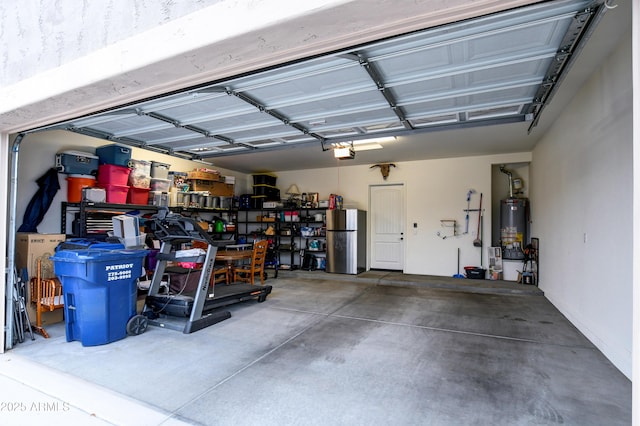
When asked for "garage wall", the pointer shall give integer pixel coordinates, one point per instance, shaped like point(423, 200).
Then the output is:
point(435, 190)
point(582, 190)
point(37, 155)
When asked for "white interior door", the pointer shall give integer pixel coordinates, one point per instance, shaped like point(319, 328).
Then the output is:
point(386, 212)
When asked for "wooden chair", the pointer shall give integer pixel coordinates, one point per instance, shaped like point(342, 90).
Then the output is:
point(247, 273)
point(220, 273)
point(47, 296)
point(223, 273)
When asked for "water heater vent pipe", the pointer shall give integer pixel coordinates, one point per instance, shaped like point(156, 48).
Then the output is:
point(509, 175)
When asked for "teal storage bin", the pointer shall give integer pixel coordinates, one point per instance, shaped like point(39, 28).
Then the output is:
point(114, 154)
point(100, 292)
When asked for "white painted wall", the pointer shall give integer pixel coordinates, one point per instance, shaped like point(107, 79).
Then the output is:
point(37, 155)
point(582, 192)
point(436, 190)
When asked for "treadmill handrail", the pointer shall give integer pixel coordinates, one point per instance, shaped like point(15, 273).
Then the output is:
point(169, 226)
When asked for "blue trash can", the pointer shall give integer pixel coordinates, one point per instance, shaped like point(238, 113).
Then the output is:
point(100, 292)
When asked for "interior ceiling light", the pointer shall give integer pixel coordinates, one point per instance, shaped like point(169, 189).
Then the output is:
point(367, 147)
point(363, 144)
point(375, 140)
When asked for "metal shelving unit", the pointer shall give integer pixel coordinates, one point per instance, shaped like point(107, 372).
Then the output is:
point(288, 239)
point(95, 218)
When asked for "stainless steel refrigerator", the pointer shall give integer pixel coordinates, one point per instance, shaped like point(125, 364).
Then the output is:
point(346, 241)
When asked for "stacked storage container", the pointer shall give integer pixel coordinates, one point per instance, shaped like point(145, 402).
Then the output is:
point(264, 189)
point(113, 172)
point(160, 184)
point(139, 181)
point(177, 185)
point(81, 168)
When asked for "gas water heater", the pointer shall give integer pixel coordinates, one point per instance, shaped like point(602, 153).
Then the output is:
point(514, 219)
point(513, 227)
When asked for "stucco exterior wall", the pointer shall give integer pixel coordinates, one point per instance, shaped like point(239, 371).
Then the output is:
point(53, 32)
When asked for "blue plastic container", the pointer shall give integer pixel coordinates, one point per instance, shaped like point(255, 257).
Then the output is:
point(77, 163)
point(100, 292)
point(114, 154)
point(86, 244)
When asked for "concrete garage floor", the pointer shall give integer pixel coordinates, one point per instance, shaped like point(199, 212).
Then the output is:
point(377, 349)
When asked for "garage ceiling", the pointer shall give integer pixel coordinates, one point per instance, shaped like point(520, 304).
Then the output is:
point(497, 69)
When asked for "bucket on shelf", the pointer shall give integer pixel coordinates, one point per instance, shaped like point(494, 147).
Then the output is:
point(75, 183)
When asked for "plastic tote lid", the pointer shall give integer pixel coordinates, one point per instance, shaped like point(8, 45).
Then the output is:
point(79, 154)
point(84, 255)
point(82, 177)
point(85, 244)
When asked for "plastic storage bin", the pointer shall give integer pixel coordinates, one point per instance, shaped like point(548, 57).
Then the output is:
point(158, 198)
point(160, 170)
point(474, 272)
point(138, 195)
point(75, 183)
point(178, 180)
point(114, 154)
point(77, 163)
point(271, 192)
point(140, 175)
point(162, 185)
point(100, 292)
point(113, 175)
point(135, 242)
point(264, 179)
point(116, 194)
point(256, 201)
point(94, 195)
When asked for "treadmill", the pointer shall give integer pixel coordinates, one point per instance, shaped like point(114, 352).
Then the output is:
point(200, 308)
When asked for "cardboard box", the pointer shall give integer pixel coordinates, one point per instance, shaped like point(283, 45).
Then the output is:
point(205, 176)
point(29, 248)
point(218, 189)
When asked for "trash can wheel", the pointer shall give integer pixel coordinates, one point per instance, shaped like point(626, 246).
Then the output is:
point(137, 325)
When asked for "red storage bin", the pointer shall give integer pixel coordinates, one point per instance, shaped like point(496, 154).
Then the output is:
point(112, 174)
point(116, 194)
point(138, 195)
